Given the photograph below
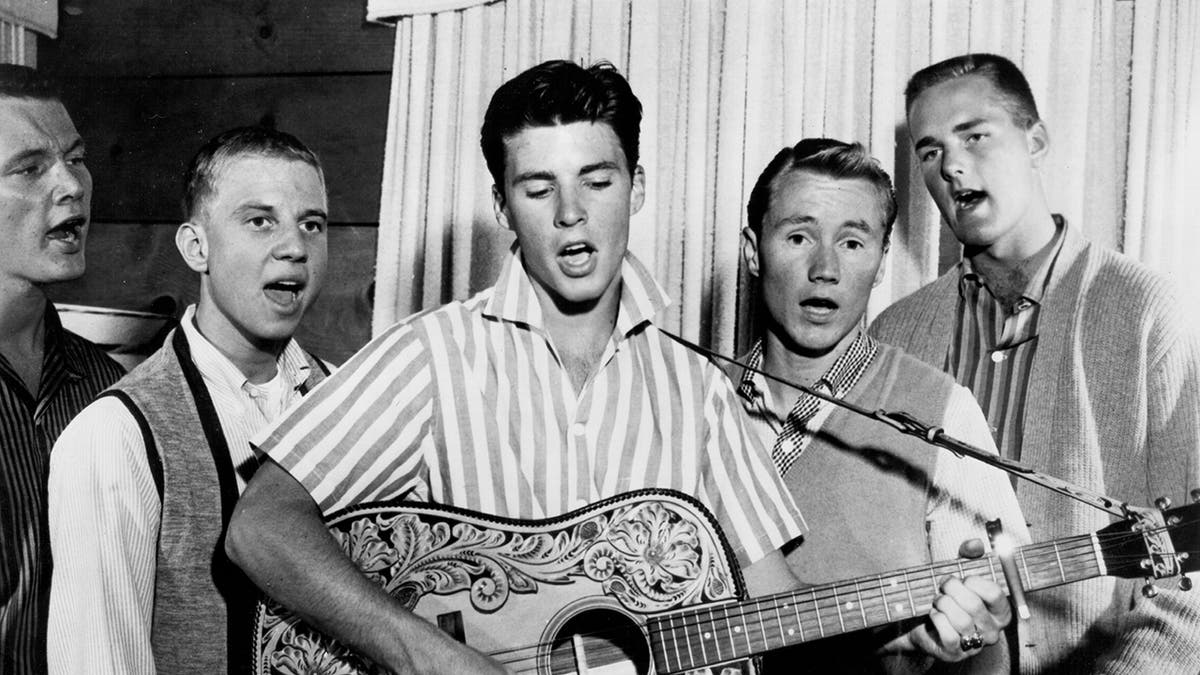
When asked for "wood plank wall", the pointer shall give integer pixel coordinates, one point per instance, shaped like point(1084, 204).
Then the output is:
point(148, 81)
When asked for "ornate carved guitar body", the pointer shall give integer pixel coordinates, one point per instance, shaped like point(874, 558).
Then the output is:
point(646, 583)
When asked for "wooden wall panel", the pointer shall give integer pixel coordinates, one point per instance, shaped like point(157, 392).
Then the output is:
point(136, 266)
point(120, 38)
point(142, 133)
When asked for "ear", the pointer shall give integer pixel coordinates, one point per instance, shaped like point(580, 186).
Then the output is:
point(637, 190)
point(1038, 140)
point(882, 267)
point(750, 251)
point(498, 205)
point(192, 242)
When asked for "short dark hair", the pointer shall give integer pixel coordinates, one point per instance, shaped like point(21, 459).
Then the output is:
point(202, 171)
point(25, 82)
point(1004, 75)
point(825, 157)
point(560, 92)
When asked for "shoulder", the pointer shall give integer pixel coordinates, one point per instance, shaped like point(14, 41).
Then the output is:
point(911, 309)
point(1150, 302)
point(91, 359)
point(914, 381)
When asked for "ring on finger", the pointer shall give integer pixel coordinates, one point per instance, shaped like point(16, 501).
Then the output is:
point(972, 641)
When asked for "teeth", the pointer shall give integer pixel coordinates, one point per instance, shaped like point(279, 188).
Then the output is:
point(575, 248)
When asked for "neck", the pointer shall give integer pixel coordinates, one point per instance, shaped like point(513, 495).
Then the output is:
point(256, 359)
point(782, 359)
point(1008, 276)
point(579, 331)
point(22, 308)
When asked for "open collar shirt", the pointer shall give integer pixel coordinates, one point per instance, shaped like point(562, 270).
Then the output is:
point(105, 511)
point(470, 405)
point(992, 350)
point(73, 372)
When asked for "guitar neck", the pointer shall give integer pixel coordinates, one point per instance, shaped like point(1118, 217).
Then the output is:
point(696, 638)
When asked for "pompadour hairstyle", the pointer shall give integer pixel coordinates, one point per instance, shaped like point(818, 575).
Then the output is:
point(202, 172)
point(25, 82)
point(1004, 75)
point(560, 92)
point(825, 157)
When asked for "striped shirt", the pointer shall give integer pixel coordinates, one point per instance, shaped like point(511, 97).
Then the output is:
point(992, 350)
point(105, 510)
point(470, 405)
point(73, 372)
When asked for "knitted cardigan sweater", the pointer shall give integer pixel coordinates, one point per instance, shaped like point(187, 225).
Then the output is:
point(1113, 406)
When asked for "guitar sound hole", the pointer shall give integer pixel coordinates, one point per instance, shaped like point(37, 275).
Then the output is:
point(613, 644)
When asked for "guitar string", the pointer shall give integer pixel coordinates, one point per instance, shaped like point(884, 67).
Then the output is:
point(1035, 555)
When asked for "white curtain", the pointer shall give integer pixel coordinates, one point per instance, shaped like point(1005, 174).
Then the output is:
point(20, 20)
point(726, 84)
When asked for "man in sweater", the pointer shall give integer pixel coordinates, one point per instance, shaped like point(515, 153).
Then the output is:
point(47, 374)
point(143, 481)
point(819, 220)
point(1080, 357)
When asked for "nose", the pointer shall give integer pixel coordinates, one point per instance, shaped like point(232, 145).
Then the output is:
point(291, 244)
point(952, 164)
point(824, 265)
point(70, 182)
point(570, 210)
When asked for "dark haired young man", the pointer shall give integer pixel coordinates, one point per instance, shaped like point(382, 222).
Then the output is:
point(819, 221)
point(551, 390)
point(142, 482)
point(1081, 358)
point(47, 374)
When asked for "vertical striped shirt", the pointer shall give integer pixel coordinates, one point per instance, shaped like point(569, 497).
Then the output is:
point(992, 350)
point(73, 372)
point(470, 405)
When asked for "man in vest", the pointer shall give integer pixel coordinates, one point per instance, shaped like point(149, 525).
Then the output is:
point(819, 220)
point(1085, 362)
point(47, 374)
point(143, 482)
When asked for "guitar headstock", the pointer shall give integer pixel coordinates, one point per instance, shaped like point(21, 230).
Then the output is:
point(1155, 544)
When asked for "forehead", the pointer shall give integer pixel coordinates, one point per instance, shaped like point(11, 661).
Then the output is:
point(273, 181)
point(561, 148)
point(803, 194)
point(32, 123)
point(956, 100)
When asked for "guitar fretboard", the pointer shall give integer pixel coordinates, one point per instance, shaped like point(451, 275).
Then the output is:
point(695, 638)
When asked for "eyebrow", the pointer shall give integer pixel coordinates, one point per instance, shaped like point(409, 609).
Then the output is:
point(606, 165)
point(958, 128)
point(532, 175)
point(860, 225)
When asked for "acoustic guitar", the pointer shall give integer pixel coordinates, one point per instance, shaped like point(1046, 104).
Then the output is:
point(646, 583)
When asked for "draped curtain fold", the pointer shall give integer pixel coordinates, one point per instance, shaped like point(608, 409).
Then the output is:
point(726, 84)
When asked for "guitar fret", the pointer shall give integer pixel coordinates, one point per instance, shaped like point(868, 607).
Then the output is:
point(1029, 581)
point(703, 649)
point(861, 609)
point(779, 624)
point(674, 642)
point(883, 594)
point(838, 606)
point(716, 639)
point(912, 604)
point(762, 625)
point(1058, 558)
point(817, 607)
point(799, 623)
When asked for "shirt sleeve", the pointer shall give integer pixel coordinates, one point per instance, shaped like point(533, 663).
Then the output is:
point(968, 493)
point(104, 517)
point(755, 510)
point(360, 435)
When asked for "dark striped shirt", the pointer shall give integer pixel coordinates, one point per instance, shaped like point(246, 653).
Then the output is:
point(73, 372)
point(993, 349)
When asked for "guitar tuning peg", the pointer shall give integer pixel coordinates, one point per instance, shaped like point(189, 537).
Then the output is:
point(1185, 584)
point(1195, 493)
point(1149, 590)
point(1163, 503)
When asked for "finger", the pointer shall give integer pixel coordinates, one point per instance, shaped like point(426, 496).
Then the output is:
point(992, 596)
point(945, 638)
point(962, 607)
point(972, 548)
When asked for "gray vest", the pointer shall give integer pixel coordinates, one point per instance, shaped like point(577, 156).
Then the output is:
point(203, 603)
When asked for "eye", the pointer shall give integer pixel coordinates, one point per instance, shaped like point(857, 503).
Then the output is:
point(928, 155)
point(259, 222)
point(76, 160)
point(313, 226)
point(537, 193)
point(975, 138)
point(797, 238)
point(599, 184)
point(29, 170)
point(853, 244)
